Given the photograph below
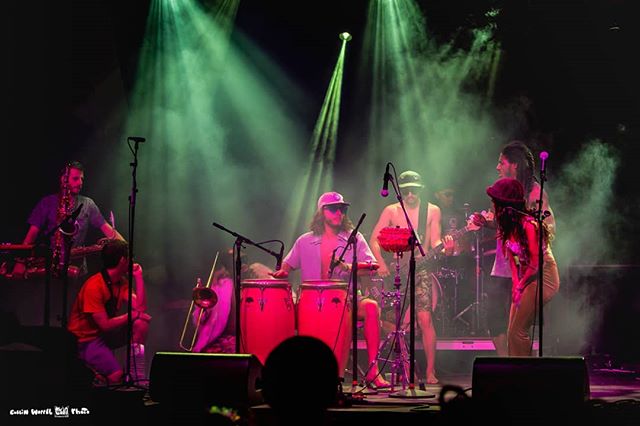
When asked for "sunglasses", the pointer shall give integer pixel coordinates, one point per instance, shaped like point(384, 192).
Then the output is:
point(335, 207)
point(411, 189)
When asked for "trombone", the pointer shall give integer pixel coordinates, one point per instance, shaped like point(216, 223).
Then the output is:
point(204, 298)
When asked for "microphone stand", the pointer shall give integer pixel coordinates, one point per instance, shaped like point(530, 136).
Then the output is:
point(238, 270)
point(414, 241)
point(128, 380)
point(540, 216)
point(352, 241)
point(68, 242)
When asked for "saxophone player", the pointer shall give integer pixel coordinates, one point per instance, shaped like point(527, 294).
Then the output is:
point(46, 215)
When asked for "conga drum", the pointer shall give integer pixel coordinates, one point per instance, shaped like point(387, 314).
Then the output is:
point(267, 315)
point(324, 312)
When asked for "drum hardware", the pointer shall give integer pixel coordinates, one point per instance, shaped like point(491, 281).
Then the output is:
point(400, 361)
point(204, 298)
point(237, 273)
point(474, 306)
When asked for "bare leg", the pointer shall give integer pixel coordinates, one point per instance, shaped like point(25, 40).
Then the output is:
point(429, 343)
point(369, 309)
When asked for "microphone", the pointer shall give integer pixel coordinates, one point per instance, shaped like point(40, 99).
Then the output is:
point(68, 226)
point(333, 263)
point(137, 139)
point(385, 185)
point(543, 158)
point(279, 258)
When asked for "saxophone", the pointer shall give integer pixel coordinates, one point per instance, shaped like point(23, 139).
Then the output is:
point(65, 208)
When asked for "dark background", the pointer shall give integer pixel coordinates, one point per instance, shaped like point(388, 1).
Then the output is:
point(576, 60)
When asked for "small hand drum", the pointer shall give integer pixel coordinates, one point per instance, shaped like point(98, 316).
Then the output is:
point(395, 239)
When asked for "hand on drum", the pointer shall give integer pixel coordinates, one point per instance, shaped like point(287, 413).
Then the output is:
point(280, 273)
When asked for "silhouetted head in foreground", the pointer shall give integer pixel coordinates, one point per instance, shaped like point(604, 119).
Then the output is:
point(300, 380)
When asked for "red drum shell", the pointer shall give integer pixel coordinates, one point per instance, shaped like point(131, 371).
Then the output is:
point(324, 312)
point(267, 316)
point(395, 239)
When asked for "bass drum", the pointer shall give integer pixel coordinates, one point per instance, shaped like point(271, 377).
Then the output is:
point(267, 316)
point(324, 312)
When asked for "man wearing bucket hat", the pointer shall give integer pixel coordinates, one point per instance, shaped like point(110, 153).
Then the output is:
point(518, 237)
point(411, 186)
point(313, 253)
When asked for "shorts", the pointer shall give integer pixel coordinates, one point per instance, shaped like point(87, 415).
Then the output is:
point(424, 291)
point(98, 354)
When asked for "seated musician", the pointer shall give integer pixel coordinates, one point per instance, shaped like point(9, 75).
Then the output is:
point(217, 330)
point(314, 252)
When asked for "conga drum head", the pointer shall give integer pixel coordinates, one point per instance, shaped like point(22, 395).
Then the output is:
point(273, 283)
point(324, 284)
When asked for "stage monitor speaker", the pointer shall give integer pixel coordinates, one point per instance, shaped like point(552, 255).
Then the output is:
point(39, 366)
point(204, 380)
point(528, 387)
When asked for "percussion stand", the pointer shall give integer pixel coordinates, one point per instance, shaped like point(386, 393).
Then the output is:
point(399, 365)
point(411, 392)
point(475, 305)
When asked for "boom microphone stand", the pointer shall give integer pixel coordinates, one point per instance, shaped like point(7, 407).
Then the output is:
point(353, 242)
point(67, 227)
point(238, 270)
point(411, 391)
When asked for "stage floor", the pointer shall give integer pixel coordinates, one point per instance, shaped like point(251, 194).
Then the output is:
point(614, 399)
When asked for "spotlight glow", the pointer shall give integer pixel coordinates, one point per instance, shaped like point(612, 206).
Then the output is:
point(345, 36)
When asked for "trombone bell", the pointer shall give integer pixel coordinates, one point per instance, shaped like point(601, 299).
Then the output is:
point(204, 297)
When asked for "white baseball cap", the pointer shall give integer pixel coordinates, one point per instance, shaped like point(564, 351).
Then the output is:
point(329, 198)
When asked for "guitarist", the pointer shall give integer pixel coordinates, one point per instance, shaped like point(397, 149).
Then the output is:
point(411, 187)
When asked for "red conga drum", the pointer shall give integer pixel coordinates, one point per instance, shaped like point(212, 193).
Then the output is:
point(324, 312)
point(267, 315)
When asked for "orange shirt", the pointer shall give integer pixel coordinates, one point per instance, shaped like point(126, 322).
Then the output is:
point(92, 298)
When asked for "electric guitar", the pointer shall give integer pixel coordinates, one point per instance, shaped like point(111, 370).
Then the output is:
point(474, 222)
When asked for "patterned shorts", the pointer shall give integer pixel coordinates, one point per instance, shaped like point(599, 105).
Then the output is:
point(424, 291)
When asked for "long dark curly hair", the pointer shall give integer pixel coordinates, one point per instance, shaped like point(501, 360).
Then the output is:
point(510, 224)
point(517, 152)
point(317, 223)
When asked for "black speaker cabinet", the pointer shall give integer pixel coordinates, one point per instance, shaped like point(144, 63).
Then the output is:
point(530, 385)
point(202, 379)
